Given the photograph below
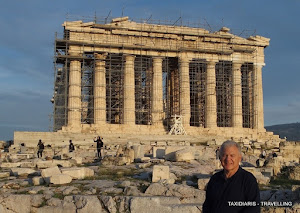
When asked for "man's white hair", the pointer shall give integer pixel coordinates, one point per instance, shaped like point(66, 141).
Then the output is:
point(227, 144)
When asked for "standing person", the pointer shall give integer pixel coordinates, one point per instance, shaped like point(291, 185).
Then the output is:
point(99, 142)
point(40, 148)
point(71, 146)
point(233, 189)
point(217, 153)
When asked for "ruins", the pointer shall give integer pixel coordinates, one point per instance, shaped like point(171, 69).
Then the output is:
point(125, 77)
point(163, 97)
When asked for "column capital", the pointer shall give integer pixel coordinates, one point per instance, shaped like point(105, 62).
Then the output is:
point(236, 62)
point(74, 53)
point(129, 57)
point(259, 64)
point(100, 56)
point(183, 59)
point(211, 61)
point(157, 58)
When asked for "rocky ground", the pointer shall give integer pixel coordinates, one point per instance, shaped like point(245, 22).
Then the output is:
point(92, 185)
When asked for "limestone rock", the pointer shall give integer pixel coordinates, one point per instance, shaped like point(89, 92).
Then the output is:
point(70, 190)
point(89, 204)
point(109, 203)
point(50, 172)
point(185, 155)
point(23, 201)
point(10, 165)
point(24, 172)
point(54, 202)
point(202, 183)
point(60, 179)
point(131, 191)
point(36, 181)
point(78, 172)
point(37, 200)
point(295, 173)
point(160, 172)
point(153, 204)
point(156, 189)
point(4, 174)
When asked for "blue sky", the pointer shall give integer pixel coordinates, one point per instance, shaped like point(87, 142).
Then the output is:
point(27, 30)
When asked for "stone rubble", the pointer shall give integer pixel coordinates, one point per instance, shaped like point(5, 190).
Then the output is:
point(130, 179)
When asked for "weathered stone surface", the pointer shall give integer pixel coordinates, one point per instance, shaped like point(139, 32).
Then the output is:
point(37, 200)
point(202, 183)
point(70, 190)
point(10, 165)
point(153, 204)
point(109, 204)
point(156, 189)
point(53, 163)
point(88, 204)
point(132, 191)
point(160, 172)
point(295, 173)
point(78, 172)
point(60, 179)
point(185, 155)
point(24, 172)
point(4, 174)
point(38, 181)
point(50, 172)
point(54, 202)
point(23, 201)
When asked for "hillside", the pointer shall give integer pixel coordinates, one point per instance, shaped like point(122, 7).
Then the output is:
point(291, 131)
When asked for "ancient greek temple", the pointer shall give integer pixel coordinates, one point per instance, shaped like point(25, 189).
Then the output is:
point(138, 78)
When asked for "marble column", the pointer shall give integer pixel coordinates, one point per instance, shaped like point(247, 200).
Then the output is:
point(74, 98)
point(100, 90)
point(210, 97)
point(129, 91)
point(237, 115)
point(157, 91)
point(185, 108)
point(258, 115)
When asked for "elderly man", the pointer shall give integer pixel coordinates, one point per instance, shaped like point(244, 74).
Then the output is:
point(233, 189)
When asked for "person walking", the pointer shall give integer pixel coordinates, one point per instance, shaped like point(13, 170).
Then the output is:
point(71, 146)
point(40, 148)
point(99, 142)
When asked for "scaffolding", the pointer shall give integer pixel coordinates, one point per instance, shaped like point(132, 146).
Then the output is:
point(143, 76)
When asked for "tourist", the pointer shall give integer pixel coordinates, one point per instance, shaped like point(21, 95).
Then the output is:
point(217, 153)
point(40, 148)
point(232, 184)
point(99, 142)
point(71, 146)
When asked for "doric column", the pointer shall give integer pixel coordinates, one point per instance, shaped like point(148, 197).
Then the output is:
point(157, 91)
point(258, 117)
point(74, 98)
point(129, 93)
point(100, 90)
point(185, 108)
point(210, 97)
point(237, 116)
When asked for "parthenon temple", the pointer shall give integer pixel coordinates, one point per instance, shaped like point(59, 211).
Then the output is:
point(139, 78)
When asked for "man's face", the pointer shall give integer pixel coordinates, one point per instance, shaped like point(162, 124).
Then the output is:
point(231, 158)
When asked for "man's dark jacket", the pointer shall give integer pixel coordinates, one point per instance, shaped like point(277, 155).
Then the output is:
point(223, 194)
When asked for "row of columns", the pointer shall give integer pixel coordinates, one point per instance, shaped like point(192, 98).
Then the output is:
point(74, 102)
